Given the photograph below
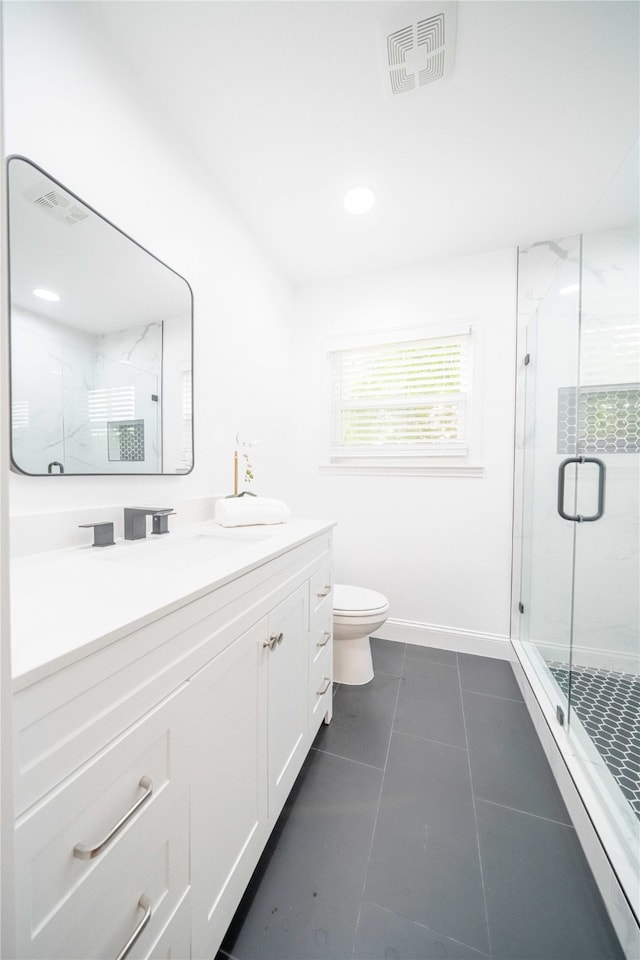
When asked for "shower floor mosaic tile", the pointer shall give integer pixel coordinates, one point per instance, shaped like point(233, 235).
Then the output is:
point(608, 705)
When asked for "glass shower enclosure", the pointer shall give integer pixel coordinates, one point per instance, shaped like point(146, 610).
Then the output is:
point(577, 536)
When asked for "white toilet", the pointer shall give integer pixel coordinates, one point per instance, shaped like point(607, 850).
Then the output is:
point(357, 613)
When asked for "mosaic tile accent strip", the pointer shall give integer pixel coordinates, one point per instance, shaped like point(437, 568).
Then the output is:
point(608, 705)
point(599, 419)
point(126, 440)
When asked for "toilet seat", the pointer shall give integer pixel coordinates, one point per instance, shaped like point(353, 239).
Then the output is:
point(357, 602)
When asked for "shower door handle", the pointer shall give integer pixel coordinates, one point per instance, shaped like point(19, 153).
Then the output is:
point(602, 472)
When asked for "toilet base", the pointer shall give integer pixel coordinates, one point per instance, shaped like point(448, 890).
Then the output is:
point(352, 661)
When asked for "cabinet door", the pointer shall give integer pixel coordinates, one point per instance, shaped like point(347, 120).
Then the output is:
point(288, 679)
point(229, 805)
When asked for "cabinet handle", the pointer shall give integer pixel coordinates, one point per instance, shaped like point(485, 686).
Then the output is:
point(83, 852)
point(326, 637)
point(274, 639)
point(321, 693)
point(145, 904)
point(325, 592)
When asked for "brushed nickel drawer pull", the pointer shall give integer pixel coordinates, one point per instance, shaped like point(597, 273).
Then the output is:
point(83, 852)
point(274, 639)
point(145, 904)
point(321, 693)
point(326, 637)
point(325, 592)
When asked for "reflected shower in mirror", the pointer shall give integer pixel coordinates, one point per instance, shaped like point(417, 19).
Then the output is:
point(101, 341)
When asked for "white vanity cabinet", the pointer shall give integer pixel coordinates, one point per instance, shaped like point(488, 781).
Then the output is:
point(142, 817)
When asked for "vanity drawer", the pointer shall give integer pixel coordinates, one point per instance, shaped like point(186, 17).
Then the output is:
point(321, 630)
point(99, 918)
point(321, 588)
point(321, 689)
point(81, 906)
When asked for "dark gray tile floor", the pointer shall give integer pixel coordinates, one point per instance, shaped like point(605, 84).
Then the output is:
point(424, 825)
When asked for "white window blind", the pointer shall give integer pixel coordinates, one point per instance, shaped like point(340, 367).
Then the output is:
point(110, 403)
point(402, 399)
point(19, 414)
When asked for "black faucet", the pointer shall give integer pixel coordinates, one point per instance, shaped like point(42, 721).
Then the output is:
point(55, 463)
point(135, 521)
point(102, 533)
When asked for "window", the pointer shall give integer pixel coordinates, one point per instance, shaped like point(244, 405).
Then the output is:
point(19, 414)
point(110, 403)
point(408, 398)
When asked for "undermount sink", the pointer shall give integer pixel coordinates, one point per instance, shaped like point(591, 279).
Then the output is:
point(186, 551)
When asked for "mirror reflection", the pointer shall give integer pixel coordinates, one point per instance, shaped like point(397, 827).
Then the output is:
point(101, 341)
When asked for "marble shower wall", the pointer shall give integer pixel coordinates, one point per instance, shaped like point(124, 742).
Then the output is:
point(607, 598)
point(550, 317)
point(51, 370)
point(128, 374)
point(67, 385)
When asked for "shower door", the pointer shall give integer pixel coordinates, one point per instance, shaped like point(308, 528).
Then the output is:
point(546, 595)
point(605, 681)
point(580, 571)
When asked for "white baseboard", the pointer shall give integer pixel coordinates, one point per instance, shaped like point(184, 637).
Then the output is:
point(447, 638)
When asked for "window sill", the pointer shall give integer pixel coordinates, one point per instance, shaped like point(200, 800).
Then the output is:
point(400, 469)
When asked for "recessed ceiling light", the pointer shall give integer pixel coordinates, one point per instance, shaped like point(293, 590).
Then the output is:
point(567, 291)
point(46, 295)
point(359, 200)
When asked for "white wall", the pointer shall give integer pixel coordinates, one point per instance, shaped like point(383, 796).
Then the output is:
point(73, 108)
point(438, 546)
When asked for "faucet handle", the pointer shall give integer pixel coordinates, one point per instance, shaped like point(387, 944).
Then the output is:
point(135, 525)
point(102, 533)
point(160, 520)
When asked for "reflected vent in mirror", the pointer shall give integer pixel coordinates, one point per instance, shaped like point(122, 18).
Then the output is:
point(55, 203)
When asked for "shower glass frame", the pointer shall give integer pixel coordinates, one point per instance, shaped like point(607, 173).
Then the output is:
point(555, 560)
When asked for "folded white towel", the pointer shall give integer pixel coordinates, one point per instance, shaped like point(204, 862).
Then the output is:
point(245, 511)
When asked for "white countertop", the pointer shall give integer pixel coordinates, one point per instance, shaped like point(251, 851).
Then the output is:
point(66, 603)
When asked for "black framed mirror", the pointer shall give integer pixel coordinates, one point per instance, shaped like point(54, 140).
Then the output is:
point(101, 341)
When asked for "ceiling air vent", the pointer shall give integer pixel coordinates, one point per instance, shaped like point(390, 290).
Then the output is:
point(422, 51)
point(54, 202)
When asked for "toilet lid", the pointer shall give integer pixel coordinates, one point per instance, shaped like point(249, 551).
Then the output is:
point(357, 601)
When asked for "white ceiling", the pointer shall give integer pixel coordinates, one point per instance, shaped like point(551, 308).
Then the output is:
point(285, 103)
